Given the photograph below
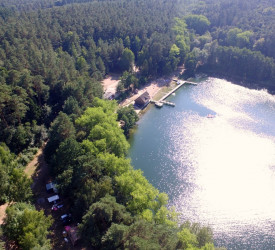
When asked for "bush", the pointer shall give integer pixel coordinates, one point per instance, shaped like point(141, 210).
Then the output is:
point(26, 156)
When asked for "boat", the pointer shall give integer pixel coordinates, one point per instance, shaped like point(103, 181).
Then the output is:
point(158, 104)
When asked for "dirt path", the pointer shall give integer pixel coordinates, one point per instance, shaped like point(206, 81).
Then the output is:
point(2, 212)
point(110, 84)
point(30, 169)
point(154, 87)
point(41, 176)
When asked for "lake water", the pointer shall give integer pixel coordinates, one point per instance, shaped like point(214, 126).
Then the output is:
point(217, 171)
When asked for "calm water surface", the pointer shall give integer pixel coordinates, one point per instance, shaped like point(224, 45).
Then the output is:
point(220, 171)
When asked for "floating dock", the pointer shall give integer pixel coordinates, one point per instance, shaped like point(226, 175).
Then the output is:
point(158, 104)
point(192, 83)
point(169, 103)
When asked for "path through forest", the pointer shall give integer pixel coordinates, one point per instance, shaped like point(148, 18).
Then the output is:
point(29, 170)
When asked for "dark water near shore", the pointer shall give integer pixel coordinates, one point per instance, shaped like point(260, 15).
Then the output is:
point(220, 171)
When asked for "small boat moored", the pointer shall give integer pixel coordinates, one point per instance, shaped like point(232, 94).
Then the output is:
point(158, 104)
point(210, 116)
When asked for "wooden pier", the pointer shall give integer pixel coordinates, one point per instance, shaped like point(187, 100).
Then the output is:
point(162, 100)
point(169, 103)
point(172, 91)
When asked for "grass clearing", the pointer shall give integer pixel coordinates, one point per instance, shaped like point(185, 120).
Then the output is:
point(31, 167)
point(163, 91)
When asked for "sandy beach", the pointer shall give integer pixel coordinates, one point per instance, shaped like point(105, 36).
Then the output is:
point(110, 83)
point(153, 87)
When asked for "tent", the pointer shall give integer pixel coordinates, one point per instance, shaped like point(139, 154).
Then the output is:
point(73, 234)
point(51, 186)
point(53, 198)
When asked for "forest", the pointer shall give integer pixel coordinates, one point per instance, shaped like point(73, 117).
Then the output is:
point(53, 57)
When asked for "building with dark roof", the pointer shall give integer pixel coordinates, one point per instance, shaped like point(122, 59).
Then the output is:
point(143, 100)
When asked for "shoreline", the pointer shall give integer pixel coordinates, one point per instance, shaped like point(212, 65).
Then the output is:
point(156, 88)
point(240, 81)
point(164, 89)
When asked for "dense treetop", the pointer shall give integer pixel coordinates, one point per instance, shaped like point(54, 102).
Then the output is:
point(52, 59)
point(53, 55)
point(112, 200)
point(27, 227)
point(240, 40)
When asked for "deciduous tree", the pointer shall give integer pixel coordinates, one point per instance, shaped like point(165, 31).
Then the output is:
point(26, 226)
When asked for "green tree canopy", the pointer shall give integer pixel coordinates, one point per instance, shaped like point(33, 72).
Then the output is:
point(236, 37)
point(26, 226)
point(100, 217)
point(199, 23)
point(61, 129)
point(100, 127)
point(129, 116)
point(145, 235)
point(127, 79)
point(14, 183)
point(127, 59)
point(140, 235)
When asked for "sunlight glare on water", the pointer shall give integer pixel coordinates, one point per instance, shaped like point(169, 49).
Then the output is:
point(234, 176)
point(221, 171)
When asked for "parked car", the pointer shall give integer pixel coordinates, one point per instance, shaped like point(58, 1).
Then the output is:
point(66, 219)
point(56, 207)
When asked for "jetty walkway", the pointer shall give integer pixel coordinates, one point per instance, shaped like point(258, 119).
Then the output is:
point(162, 100)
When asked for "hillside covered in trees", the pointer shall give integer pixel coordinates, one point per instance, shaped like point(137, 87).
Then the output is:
point(53, 55)
point(242, 34)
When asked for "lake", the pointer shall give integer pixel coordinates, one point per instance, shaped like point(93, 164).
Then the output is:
point(217, 171)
